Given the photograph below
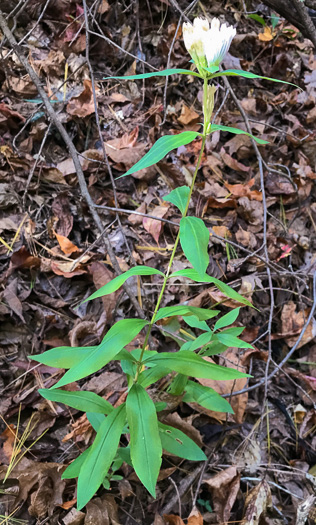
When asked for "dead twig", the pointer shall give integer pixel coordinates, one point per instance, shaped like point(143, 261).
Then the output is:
point(305, 20)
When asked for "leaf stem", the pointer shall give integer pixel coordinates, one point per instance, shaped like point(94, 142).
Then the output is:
point(205, 126)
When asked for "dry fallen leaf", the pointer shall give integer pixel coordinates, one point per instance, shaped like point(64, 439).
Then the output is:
point(101, 276)
point(153, 226)
point(293, 322)
point(66, 245)
point(83, 104)
point(224, 488)
point(45, 478)
point(258, 500)
point(188, 116)
point(267, 34)
point(195, 517)
point(8, 438)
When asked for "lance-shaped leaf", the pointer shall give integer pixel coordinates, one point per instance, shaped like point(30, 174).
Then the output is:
point(161, 148)
point(69, 356)
point(179, 197)
point(201, 313)
point(246, 74)
point(151, 375)
point(122, 333)
point(200, 341)
point(145, 443)
point(163, 73)
point(227, 290)
point(190, 364)
point(236, 131)
point(194, 237)
point(206, 397)
point(176, 442)
point(101, 455)
point(117, 282)
point(63, 356)
point(231, 340)
point(81, 400)
point(227, 319)
point(193, 322)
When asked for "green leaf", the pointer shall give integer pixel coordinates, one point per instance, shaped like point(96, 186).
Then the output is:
point(161, 148)
point(247, 74)
point(214, 348)
point(151, 375)
point(181, 309)
point(117, 282)
point(194, 237)
point(176, 442)
point(200, 341)
point(72, 471)
point(193, 322)
point(101, 455)
point(213, 69)
point(190, 364)
point(95, 419)
point(145, 444)
point(63, 356)
point(125, 454)
point(206, 397)
point(236, 131)
point(81, 400)
point(227, 290)
point(234, 330)
point(179, 197)
point(227, 319)
point(257, 18)
point(163, 73)
point(231, 340)
point(274, 20)
point(178, 385)
point(122, 333)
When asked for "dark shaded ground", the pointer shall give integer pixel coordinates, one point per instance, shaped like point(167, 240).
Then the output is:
point(52, 255)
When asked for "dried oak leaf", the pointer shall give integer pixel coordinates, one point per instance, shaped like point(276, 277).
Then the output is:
point(126, 151)
point(83, 104)
point(258, 500)
point(61, 210)
point(188, 116)
point(101, 276)
point(243, 190)
point(292, 324)
point(41, 482)
point(102, 511)
point(232, 163)
point(224, 488)
point(66, 245)
point(8, 437)
point(153, 226)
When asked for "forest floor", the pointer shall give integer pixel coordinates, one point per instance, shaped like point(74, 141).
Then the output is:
point(262, 460)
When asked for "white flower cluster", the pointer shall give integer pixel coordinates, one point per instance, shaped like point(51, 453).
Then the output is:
point(207, 45)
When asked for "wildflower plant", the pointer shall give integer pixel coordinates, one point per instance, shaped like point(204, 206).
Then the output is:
point(138, 417)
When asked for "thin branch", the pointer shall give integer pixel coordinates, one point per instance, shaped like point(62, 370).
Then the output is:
point(306, 20)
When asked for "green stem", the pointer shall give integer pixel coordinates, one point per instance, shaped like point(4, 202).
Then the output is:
point(177, 238)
